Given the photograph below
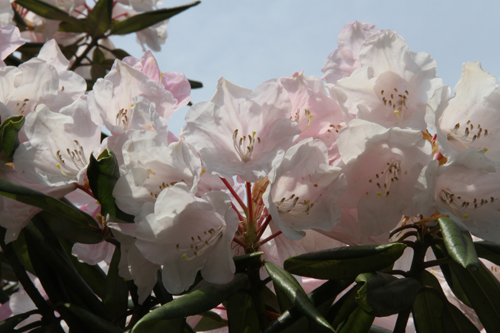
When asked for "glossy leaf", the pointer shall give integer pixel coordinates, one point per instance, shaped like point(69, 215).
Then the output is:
point(120, 54)
point(483, 291)
point(99, 18)
point(116, 292)
point(489, 251)
point(147, 19)
point(344, 262)
point(342, 309)
point(198, 301)
point(287, 284)
point(68, 213)
point(458, 243)
point(247, 261)
point(210, 321)
point(8, 325)
point(454, 321)
point(9, 129)
point(103, 173)
point(358, 321)
point(384, 295)
point(48, 11)
point(96, 323)
point(195, 84)
point(428, 307)
point(72, 27)
point(75, 233)
point(241, 313)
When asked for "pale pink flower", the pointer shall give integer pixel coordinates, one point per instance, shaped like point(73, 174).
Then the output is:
point(10, 40)
point(240, 132)
point(345, 60)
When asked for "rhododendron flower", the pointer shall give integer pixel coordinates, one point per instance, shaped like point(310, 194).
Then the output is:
point(381, 166)
point(176, 83)
point(467, 188)
point(111, 102)
point(303, 190)
point(186, 234)
point(471, 119)
point(150, 167)
point(345, 60)
point(319, 116)
point(10, 40)
point(59, 145)
point(240, 132)
point(392, 86)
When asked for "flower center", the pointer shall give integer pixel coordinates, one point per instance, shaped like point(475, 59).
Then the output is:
point(123, 116)
point(20, 107)
point(467, 134)
point(293, 206)
point(457, 202)
point(201, 243)
point(386, 177)
point(71, 161)
point(396, 100)
point(243, 149)
point(304, 121)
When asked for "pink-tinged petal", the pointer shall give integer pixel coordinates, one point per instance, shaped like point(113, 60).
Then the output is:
point(10, 40)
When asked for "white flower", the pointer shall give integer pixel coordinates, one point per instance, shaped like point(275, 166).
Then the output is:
point(240, 132)
point(303, 190)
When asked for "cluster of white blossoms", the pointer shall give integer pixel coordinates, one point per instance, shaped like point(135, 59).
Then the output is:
point(296, 165)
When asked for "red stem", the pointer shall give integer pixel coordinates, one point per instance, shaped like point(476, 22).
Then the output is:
point(249, 202)
point(238, 212)
point(240, 242)
point(233, 192)
point(263, 227)
point(117, 16)
point(276, 234)
point(86, 190)
point(265, 213)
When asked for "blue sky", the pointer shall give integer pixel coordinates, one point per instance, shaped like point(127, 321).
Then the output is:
point(251, 41)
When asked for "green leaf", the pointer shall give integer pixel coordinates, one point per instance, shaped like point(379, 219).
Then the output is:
point(120, 54)
point(115, 298)
point(103, 173)
point(428, 307)
point(48, 11)
point(195, 84)
point(378, 329)
point(458, 243)
point(99, 18)
point(67, 213)
point(242, 313)
point(384, 295)
point(342, 309)
point(358, 322)
point(247, 261)
point(147, 19)
point(287, 284)
point(96, 323)
point(75, 233)
point(344, 262)
point(210, 321)
point(454, 321)
point(72, 27)
point(8, 325)
point(483, 291)
point(9, 129)
point(198, 301)
point(489, 251)
point(30, 50)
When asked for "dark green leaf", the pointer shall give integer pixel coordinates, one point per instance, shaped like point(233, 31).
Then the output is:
point(342, 309)
point(75, 233)
point(454, 321)
point(120, 54)
point(96, 323)
point(489, 251)
point(358, 322)
point(210, 321)
point(247, 261)
point(287, 284)
point(344, 262)
point(198, 301)
point(428, 307)
point(71, 27)
point(67, 213)
point(93, 275)
point(195, 84)
point(483, 291)
point(384, 295)
point(147, 19)
point(21, 248)
point(48, 11)
point(458, 243)
point(116, 292)
point(242, 313)
point(9, 140)
point(8, 325)
point(32, 49)
point(103, 173)
point(99, 18)
point(378, 329)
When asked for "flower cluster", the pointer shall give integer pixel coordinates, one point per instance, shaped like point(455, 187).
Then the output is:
point(294, 166)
